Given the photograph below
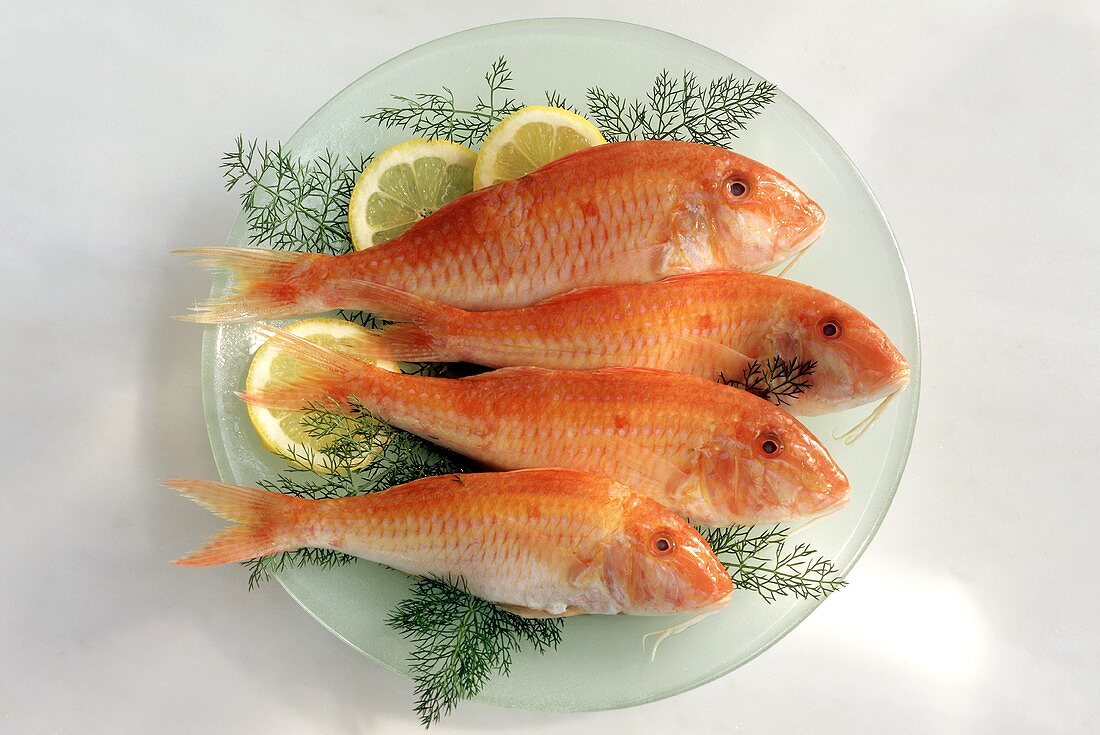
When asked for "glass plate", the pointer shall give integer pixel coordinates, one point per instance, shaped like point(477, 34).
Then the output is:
point(601, 664)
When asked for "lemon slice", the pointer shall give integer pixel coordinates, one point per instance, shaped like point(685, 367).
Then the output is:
point(404, 184)
point(529, 138)
point(282, 431)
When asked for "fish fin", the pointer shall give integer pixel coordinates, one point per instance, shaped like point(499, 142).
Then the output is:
point(536, 614)
point(323, 376)
point(257, 514)
point(577, 294)
point(639, 468)
point(421, 339)
point(640, 265)
point(405, 343)
point(714, 358)
point(263, 285)
point(516, 371)
point(391, 303)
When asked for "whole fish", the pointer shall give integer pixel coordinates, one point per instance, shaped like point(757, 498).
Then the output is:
point(716, 456)
point(708, 324)
point(540, 543)
point(626, 212)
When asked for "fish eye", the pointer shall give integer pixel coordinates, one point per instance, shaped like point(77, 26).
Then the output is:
point(830, 329)
point(737, 187)
point(769, 444)
point(662, 543)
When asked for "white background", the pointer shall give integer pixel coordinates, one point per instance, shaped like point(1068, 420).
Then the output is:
point(975, 608)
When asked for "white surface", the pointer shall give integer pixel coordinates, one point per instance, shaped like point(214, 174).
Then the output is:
point(973, 610)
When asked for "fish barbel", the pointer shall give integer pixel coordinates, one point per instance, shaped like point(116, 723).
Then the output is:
point(540, 543)
point(715, 455)
point(625, 212)
point(708, 324)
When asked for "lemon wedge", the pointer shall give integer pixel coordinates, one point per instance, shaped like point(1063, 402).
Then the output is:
point(404, 184)
point(529, 138)
point(282, 431)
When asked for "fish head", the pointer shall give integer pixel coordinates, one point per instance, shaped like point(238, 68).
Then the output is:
point(856, 362)
point(757, 217)
point(660, 565)
point(767, 467)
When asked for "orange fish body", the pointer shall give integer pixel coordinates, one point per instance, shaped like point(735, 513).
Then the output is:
point(542, 542)
point(716, 456)
point(705, 324)
point(626, 212)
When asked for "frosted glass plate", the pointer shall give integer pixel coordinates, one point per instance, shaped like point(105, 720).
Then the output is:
point(600, 664)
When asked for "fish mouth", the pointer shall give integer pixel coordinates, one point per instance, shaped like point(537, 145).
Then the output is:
point(801, 246)
point(809, 238)
point(900, 378)
point(719, 603)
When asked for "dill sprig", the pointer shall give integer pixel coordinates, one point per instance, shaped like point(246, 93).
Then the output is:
point(681, 108)
point(776, 380)
point(762, 560)
point(459, 641)
point(291, 203)
point(437, 114)
point(676, 108)
point(360, 455)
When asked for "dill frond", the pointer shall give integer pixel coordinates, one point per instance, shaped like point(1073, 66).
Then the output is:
point(777, 380)
point(291, 203)
point(438, 115)
point(459, 641)
point(761, 560)
point(681, 108)
point(554, 99)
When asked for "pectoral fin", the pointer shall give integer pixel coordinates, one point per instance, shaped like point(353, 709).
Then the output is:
point(712, 358)
point(639, 265)
point(530, 612)
point(640, 468)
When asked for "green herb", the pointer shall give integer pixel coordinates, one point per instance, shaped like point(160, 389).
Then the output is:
point(776, 380)
point(554, 99)
point(680, 108)
point(677, 108)
point(459, 641)
point(437, 115)
point(293, 204)
point(761, 559)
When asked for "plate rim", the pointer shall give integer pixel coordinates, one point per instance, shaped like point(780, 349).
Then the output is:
point(220, 453)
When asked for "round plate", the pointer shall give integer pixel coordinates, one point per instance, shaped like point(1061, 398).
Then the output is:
point(601, 664)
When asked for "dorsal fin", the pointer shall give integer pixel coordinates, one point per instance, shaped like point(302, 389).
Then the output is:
point(515, 372)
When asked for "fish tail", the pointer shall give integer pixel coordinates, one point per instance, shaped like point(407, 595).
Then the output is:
point(324, 375)
point(262, 523)
point(422, 337)
point(405, 343)
point(267, 284)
